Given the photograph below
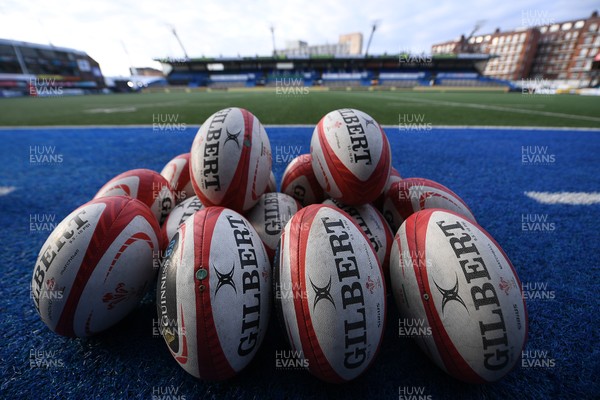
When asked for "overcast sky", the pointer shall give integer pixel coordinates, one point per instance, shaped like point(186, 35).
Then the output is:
point(119, 33)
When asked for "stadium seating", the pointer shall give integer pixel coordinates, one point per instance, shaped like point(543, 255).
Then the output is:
point(346, 79)
point(402, 79)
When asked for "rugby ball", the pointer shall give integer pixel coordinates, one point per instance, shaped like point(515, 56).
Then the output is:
point(394, 177)
point(374, 227)
point(299, 181)
point(146, 185)
point(330, 293)
point(450, 274)
point(96, 266)
point(272, 187)
point(410, 195)
point(177, 173)
point(214, 293)
point(269, 217)
point(231, 160)
point(180, 213)
point(351, 156)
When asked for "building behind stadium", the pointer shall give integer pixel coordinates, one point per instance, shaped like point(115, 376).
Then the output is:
point(567, 51)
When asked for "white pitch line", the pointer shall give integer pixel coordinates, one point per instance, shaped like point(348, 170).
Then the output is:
point(571, 198)
point(500, 108)
point(4, 190)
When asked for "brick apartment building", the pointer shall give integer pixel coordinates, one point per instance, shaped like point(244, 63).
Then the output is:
point(562, 51)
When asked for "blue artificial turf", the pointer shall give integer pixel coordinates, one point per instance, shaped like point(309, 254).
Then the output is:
point(484, 167)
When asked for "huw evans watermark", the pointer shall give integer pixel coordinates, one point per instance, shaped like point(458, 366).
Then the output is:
point(42, 223)
point(167, 123)
point(408, 57)
point(415, 258)
point(166, 327)
point(537, 223)
point(45, 87)
point(288, 291)
point(290, 359)
point(413, 122)
point(537, 359)
point(291, 87)
point(413, 393)
point(534, 17)
point(537, 155)
point(44, 155)
point(167, 393)
point(537, 291)
point(284, 154)
point(161, 192)
point(50, 291)
point(39, 358)
point(537, 87)
point(413, 327)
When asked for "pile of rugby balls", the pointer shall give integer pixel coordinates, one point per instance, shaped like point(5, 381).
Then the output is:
point(323, 250)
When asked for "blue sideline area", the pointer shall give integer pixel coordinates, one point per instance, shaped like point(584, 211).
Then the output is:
point(559, 262)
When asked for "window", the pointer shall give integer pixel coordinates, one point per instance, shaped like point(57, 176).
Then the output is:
point(554, 28)
point(566, 26)
point(6, 50)
point(593, 27)
point(579, 24)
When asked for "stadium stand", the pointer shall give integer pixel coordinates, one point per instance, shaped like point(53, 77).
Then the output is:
point(225, 81)
point(37, 69)
point(403, 79)
point(386, 72)
point(346, 79)
point(468, 79)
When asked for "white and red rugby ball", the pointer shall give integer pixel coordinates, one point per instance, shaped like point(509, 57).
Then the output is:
point(449, 273)
point(231, 160)
point(394, 177)
point(351, 156)
point(214, 294)
point(146, 185)
point(300, 182)
point(375, 227)
point(410, 195)
point(179, 215)
point(272, 187)
point(330, 293)
point(269, 217)
point(177, 173)
point(96, 266)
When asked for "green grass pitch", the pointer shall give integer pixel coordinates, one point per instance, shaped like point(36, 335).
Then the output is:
point(389, 108)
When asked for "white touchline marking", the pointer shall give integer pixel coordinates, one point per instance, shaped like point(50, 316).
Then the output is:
point(110, 110)
point(4, 190)
point(572, 198)
point(131, 107)
point(501, 108)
